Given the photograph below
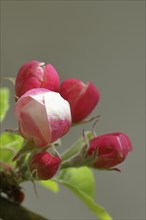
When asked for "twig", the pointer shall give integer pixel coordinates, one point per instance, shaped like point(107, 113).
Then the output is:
point(13, 211)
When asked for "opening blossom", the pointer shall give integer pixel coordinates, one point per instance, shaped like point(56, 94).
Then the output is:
point(35, 74)
point(112, 149)
point(82, 97)
point(43, 116)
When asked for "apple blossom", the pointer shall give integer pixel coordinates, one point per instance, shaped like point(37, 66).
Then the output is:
point(35, 74)
point(43, 116)
point(81, 97)
point(112, 149)
point(44, 166)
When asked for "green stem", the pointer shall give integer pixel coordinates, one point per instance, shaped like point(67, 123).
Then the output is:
point(74, 149)
point(10, 210)
point(77, 146)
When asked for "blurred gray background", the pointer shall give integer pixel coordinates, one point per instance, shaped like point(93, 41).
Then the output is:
point(99, 41)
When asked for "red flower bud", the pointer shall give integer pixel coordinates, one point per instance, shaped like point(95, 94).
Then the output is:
point(81, 97)
point(35, 74)
point(44, 166)
point(17, 196)
point(112, 149)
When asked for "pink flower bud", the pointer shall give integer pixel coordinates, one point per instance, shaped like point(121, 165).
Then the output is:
point(44, 166)
point(112, 149)
point(81, 97)
point(43, 116)
point(35, 74)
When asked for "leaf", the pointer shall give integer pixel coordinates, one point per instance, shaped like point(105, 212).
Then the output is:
point(9, 145)
point(81, 177)
point(81, 182)
point(27, 147)
point(51, 185)
point(4, 102)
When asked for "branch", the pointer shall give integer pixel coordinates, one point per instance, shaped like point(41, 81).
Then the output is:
point(10, 210)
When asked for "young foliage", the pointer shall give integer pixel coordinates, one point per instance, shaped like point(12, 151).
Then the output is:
point(4, 102)
point(51, 185)
point(9, 145)
point(81, 182)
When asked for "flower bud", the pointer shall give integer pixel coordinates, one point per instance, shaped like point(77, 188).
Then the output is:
point(81, 97)
point(44, 166)
point(43, 116)
point(112, 149)
point(17, 196)
point(35, 74)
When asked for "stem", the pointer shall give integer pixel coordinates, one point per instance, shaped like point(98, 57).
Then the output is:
point(86, 121)
point(74, 149)
point(77, 146)
point(10, 210)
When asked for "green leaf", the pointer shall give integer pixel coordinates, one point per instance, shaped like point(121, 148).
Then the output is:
point(81, 177)
point(9, 145)
point(81, 182)
point(50, 184)
point(28, 147)
point(4, 102)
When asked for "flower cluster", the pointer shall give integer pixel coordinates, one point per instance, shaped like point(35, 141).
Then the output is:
point(47, 108)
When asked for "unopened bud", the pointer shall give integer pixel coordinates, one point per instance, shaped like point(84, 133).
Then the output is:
point(44, 165)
